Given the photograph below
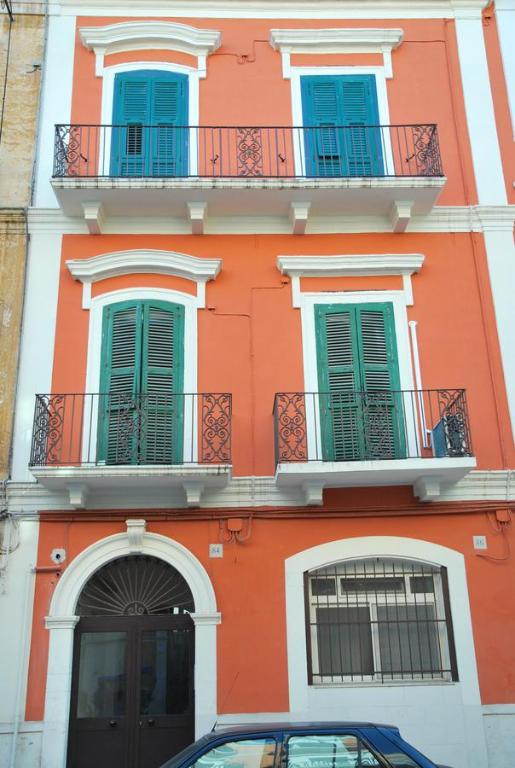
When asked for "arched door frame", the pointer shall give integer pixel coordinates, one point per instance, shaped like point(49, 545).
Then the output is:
point(61, 622)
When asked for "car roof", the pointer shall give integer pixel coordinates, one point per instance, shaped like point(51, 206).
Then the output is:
point(296, 726)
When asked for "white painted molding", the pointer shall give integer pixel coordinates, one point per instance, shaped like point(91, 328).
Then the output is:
point(299, 213)
point(26, 500)
point(457, 702)
point(61, 621)
point(352, 265)
point(443, 218)
point(276, 9)
point(400, 214)
point(336, 40)
point(142, 261)
point(144, 35)
point(197, 214)
point(136, 530)
point(94, 216)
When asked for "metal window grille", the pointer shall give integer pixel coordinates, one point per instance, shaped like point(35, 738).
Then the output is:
point(378, 620)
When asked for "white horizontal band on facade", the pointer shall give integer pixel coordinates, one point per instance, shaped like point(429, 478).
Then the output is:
point(27, 499)
point(449, 219)
point(278, 9)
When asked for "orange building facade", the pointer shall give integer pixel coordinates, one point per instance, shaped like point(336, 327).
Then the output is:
point(264, 454)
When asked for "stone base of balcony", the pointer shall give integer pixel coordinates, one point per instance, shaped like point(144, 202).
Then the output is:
point(196, 200)
point(157, 481)
point(427, 476)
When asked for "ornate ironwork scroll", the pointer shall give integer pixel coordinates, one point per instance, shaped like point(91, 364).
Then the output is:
point(453, 428)
point(67, 155)
point(290, 427)
point(250, 151)
point(216, 428)
point(47, 434)
point(135, 586)
point(427, 150)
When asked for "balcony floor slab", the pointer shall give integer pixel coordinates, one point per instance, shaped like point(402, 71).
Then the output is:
point(246, 196)
point(427, 476)
point(158, 481)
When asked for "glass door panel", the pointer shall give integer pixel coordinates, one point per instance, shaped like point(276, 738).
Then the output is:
point(102, 675)
point(165, 692)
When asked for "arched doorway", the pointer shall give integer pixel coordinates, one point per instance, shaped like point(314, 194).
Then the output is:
point(132, 696)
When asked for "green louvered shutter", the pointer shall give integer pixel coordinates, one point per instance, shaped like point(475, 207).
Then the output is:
point(119, 383)
point(339, 382)
point(170, 137)
point(141, 408)
point(357, 356)
point(383, 413)
point(345, 139)
point(162, 382)
point(362, 136)
point(131, 108)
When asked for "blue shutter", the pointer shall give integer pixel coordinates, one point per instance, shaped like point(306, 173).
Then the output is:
point(359, 109)
point(170, 138)
point(336, 110)
point(142, 99)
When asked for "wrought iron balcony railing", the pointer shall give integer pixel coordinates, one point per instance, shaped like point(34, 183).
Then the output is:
point(371, 426)
point(125, 429)
point(143, 151)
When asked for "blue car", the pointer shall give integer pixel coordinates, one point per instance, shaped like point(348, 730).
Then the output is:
point(302, 745)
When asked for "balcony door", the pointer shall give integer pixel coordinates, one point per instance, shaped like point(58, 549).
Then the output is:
point(361, 407)
point(132, 700)
point(141, 402)
point(341, 118)
point(150, 118)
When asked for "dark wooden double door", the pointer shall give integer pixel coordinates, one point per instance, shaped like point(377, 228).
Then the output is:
point(132, 691)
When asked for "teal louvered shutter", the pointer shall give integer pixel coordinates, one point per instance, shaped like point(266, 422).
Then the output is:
point(363, 146)
point(152, 104)
point(162, 375)
point(131, 108)
point(357, 356)
point(141, 407)
point(341, 117)
point(119, 383)
point(169, 156)
point(322, 114)
point(383, 412)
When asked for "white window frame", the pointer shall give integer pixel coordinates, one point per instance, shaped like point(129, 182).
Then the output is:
point(296, 104)
point(307, 302)
point(361, 600)
point(109, 75)
point(93, 372)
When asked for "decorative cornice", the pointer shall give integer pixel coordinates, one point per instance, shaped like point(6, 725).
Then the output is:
point(335, 40)
point(355, 265)
point(141, 261)
point(141, 35)
point(273, 9)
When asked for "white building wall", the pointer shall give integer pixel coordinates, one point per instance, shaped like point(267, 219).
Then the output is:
point(16, 604)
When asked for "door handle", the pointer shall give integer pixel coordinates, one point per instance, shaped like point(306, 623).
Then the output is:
point(151, 721)
point(113, 723)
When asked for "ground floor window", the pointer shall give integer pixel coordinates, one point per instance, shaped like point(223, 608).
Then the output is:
point(378, 620)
